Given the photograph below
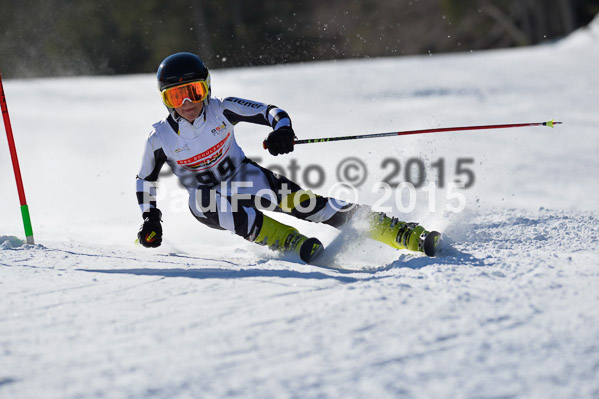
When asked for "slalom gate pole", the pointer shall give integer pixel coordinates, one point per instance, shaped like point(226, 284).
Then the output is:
point(550, 123)
point(15, 165)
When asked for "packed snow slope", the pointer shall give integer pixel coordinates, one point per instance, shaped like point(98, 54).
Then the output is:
point(509, 309)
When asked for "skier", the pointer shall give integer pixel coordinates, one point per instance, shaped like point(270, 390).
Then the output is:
point(226, 189)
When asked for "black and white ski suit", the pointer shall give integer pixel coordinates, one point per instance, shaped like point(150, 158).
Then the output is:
point(226, 189)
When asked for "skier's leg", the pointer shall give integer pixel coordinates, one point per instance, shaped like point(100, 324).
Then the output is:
point(289, 197)
point(306, 205)
point(213, 209)
point(284, 195)
point(390, 231)
point(216, 211)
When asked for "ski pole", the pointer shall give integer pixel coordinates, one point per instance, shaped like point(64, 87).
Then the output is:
point(15, 165)
point(550, 123)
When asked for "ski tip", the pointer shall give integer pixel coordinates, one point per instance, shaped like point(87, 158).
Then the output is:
point(311, 249)
point(431, 243)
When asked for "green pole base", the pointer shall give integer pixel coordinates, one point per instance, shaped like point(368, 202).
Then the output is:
point(27, 224)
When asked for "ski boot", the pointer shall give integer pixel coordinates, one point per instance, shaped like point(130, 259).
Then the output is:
point(279, 236)
point(402, 235)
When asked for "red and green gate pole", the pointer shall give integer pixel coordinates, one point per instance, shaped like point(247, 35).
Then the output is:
point(17, 169)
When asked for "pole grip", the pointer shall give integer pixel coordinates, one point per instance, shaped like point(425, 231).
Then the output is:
point(265, 145)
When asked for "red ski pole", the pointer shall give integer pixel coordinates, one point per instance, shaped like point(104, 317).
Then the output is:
point(15, 165)
point(550, 123)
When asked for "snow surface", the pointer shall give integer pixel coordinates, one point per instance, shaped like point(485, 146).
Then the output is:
point(510, 309)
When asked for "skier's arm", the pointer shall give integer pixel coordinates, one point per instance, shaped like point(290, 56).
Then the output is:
point(280, 140)
point(153, 160)
point(239, 110)
point(150, 233)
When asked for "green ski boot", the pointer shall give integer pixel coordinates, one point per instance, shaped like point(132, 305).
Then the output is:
point(402, 235)
point(279, 236)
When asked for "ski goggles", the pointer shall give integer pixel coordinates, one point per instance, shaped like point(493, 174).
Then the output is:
point(175, 96)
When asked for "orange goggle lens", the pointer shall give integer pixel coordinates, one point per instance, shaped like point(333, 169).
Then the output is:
point(175, 96)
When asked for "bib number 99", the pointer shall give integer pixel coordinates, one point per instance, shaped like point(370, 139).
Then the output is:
point(224, 169)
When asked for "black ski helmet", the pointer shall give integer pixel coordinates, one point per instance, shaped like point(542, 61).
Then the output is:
point(182, 68)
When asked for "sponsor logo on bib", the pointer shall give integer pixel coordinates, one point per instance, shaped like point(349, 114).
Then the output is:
point(207, 158)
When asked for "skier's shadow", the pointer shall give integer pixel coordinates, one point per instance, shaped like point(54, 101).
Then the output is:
point(213, 273)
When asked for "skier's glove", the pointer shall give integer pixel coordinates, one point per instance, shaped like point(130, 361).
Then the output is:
point(150, 232)
point(280, 141)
